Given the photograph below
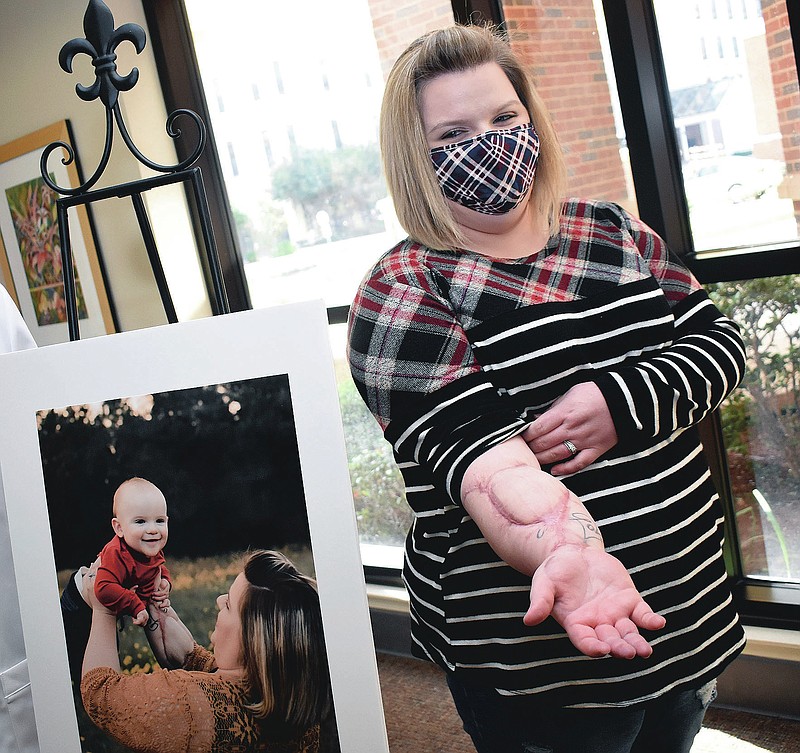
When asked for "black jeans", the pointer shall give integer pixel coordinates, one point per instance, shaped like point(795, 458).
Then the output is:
point(502, 724)
point(77, 616)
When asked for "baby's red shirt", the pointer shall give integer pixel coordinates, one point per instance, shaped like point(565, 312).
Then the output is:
point(120, 569)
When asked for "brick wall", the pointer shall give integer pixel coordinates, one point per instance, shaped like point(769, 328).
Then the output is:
point(560, 40)
point(787, 93)
point(397, 23)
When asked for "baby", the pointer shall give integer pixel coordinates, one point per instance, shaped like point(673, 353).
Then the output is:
point(132, 568)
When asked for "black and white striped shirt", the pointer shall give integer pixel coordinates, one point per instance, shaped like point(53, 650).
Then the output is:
point(455, 352)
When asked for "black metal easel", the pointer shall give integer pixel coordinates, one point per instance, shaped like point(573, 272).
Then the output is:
point(100, 43)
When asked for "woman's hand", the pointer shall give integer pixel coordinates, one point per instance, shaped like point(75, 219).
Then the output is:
point(88, 593)
point(160, 595)
point(536, 525)
point(590, 594)
point(579, 416)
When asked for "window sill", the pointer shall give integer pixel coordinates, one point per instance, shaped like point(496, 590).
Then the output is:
point(382, 556)
point(772, 643)
point(387, 598)
point(762, 642)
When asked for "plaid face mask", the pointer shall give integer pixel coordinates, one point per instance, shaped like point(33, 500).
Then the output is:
point(491, 172)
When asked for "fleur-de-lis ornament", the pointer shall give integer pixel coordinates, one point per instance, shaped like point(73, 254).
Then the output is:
point(101, 42)
point(102, 39)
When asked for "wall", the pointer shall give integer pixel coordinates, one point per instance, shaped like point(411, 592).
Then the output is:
point(787, 94)
point(397, 23)
point(562, 42)
point(36, 92)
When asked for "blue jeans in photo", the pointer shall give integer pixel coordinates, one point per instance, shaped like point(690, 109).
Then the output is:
point(501, 724)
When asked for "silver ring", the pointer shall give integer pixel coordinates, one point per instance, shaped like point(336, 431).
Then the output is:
point(571, 448)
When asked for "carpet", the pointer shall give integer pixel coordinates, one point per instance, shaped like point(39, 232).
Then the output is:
point(421, 718)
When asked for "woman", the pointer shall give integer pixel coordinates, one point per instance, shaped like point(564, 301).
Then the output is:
point(264, 688)
point(540, 365)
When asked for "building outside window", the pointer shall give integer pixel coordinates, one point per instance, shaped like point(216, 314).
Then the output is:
point(742, 195)
point(311, 201)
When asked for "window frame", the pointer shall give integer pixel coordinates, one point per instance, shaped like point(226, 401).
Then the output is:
point(657, 177)
point(179, 75)
point(655, 166)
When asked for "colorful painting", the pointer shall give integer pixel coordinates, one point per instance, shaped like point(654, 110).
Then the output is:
point(33, 212)
point(30, 240)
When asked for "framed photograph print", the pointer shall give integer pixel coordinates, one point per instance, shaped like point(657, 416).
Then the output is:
point(30, 247)
point(235, 420)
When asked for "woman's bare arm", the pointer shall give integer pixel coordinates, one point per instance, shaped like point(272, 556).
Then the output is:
point(536, 525)
point(169, 638)
point(101, 648)
point(525, 513)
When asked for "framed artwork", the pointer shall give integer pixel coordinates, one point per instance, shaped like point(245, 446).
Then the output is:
point(30, 247)
point(236, 420)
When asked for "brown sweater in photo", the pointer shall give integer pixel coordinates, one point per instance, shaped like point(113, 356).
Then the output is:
point(187, 710)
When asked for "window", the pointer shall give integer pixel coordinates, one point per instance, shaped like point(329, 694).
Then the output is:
point(232, 158)
point(311, 209)
point(739, 197)
point(730, 117)
point(325, 180)
point(267, 148)
point(761, 425)
point(737, 226)
point(734, 180)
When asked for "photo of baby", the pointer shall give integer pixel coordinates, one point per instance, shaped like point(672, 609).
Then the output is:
point(220, 460)
point(131, 571)
point(186, 462)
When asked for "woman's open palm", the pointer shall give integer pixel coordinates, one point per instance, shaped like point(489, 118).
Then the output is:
point(590, 594)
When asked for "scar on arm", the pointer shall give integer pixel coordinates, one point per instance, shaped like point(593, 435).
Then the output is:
point(512, 480)
point(560, 520)
point(558, 526)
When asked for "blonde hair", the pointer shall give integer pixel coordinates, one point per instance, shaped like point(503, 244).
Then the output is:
point(283, 647)
point(419, 202)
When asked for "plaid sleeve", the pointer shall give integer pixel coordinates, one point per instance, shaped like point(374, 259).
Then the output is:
point(672, 276)
point(404, 340)
point(414, 367)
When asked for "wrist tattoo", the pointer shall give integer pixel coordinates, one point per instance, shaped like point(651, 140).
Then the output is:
point(588, 528)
